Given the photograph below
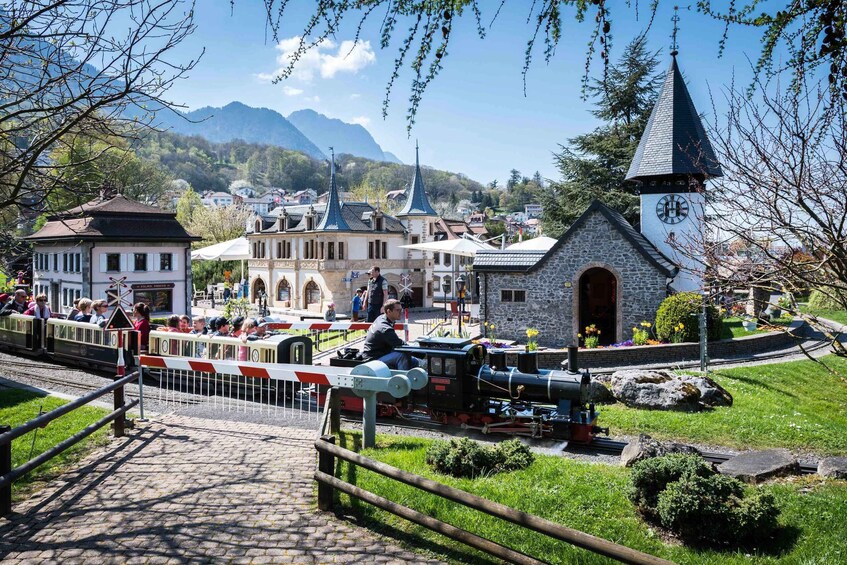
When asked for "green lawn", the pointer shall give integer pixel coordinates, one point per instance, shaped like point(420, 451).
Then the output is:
point(732, 327)
point(19, 406)
point(798, 405)
point(839, 316)
point(588, 497)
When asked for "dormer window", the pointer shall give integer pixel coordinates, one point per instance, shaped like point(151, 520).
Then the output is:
point(310, 223)
point(378, 224)
point(258, 226)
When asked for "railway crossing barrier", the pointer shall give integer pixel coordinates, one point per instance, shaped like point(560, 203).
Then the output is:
point(257, 386)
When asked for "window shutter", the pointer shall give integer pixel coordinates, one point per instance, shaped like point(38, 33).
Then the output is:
point(174, 261)
point(103, 258)
point(124, 262)
point(153, 262)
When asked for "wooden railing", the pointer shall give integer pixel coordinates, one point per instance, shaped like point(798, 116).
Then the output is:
point(328, 483)
point(7, 435)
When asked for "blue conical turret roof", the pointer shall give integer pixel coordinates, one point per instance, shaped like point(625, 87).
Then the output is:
point(674, 141)
point(332, 219)
point(417, 203)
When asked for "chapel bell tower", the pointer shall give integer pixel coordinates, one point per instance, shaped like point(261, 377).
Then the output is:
point(671, 165)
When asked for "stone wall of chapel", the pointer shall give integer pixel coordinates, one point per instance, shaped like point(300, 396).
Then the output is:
point(550, 303)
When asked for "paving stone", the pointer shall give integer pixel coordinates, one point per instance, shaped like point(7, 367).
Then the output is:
point(756, 466)
point(191, 490)
point(833, 467)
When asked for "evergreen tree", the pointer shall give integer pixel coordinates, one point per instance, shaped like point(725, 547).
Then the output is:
point(594, 165)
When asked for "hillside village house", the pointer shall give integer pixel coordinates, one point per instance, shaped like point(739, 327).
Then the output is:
point(304, 256)
point(602, 271)
point(77, 251)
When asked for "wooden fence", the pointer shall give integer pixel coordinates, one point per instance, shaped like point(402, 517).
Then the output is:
point(328, 484)
point(7, 435)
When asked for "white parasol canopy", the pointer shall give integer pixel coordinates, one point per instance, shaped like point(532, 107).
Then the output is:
point(232, 250)
point(541, 243)
point(465, 247)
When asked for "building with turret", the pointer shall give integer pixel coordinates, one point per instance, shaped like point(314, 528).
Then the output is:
point(306, 256)
point(602, 272)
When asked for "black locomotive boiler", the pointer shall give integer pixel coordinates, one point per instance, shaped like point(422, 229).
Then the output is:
point(464, 390)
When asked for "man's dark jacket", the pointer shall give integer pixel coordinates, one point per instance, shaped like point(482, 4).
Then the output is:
point(381, 339)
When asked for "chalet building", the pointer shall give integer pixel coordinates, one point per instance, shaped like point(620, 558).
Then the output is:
point(306, 256)
point(77, 251)
point(602, 271)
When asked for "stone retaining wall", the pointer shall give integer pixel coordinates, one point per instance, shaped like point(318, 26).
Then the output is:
point(661, 354)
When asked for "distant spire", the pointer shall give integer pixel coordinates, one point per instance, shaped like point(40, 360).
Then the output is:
point(417, 203)
point(333, 220)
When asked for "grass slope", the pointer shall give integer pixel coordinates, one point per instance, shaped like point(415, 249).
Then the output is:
point(798, 405)
point(588, 497)
point(18, 407)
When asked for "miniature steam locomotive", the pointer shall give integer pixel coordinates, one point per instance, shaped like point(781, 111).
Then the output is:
point(466, 391)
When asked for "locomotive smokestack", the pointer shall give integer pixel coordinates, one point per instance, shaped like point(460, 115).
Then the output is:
point(573, 361)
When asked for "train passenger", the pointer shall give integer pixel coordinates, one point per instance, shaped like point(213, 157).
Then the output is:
point(42, 311)
point(141, 313)
point(248, 333)
point(221, 327)
point(172, 323)
point(16, 306)
point(382, 339)
point(199, 326)
point(99, 313)
point(84, 310)
point(4, 299)
point(235, 327)
point(185, 324)
point(75, 310)
point(261, 333)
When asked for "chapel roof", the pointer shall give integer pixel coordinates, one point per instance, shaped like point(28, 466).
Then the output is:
point(674, 141)
point(527, 261)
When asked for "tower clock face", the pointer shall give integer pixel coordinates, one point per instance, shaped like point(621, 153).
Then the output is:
point(672, 208)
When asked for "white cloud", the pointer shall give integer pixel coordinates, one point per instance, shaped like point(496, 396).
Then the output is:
point(326, 59)
point(355, 95)
point(363, 121)
point(291, 91)
point(315, 99)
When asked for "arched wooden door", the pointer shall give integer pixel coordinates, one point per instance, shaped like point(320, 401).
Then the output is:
point(598, 295)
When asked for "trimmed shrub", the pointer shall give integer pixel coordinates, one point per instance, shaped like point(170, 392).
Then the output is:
point(513, 455)
point(820, 301)
point(467, 458)
point(713, 509)
point(680, 310)
point(651, 476)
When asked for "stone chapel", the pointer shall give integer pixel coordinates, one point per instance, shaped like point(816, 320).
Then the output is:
point(602, 271)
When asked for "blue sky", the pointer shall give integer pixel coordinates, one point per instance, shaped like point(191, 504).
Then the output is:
point(474, 118)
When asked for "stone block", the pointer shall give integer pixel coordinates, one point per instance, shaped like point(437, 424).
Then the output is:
point(833, 467)
point(756, 466)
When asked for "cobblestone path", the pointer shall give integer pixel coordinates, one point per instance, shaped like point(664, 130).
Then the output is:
point(191, 490)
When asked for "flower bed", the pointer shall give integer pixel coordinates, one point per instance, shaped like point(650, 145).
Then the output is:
point(630, 355)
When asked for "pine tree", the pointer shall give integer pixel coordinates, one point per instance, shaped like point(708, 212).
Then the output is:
point(593, 165)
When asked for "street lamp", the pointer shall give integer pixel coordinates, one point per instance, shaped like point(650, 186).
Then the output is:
point(460, 292)
point(445, 286)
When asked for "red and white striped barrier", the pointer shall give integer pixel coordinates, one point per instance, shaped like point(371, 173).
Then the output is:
point(311, 374)
point(323, 326)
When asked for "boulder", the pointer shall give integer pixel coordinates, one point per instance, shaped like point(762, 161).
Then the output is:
point(833, 467)
point(658, 390)
point(756, 466)
point(646, 447)
point(711, 393)
point(599, 393)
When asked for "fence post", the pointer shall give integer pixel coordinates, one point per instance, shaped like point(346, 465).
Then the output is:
point(5, 467)
point(119, 403)
point(326, 464)
point(335, 411)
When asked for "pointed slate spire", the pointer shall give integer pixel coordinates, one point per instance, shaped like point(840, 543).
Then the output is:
point(674, 142)
point(332, 219)
point(417, 203)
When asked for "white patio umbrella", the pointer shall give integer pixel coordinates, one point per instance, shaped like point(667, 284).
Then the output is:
point(233, 250)
point(541, 243)
point(465, 247)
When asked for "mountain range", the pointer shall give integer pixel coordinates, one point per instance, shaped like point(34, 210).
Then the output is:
point(303, 130)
